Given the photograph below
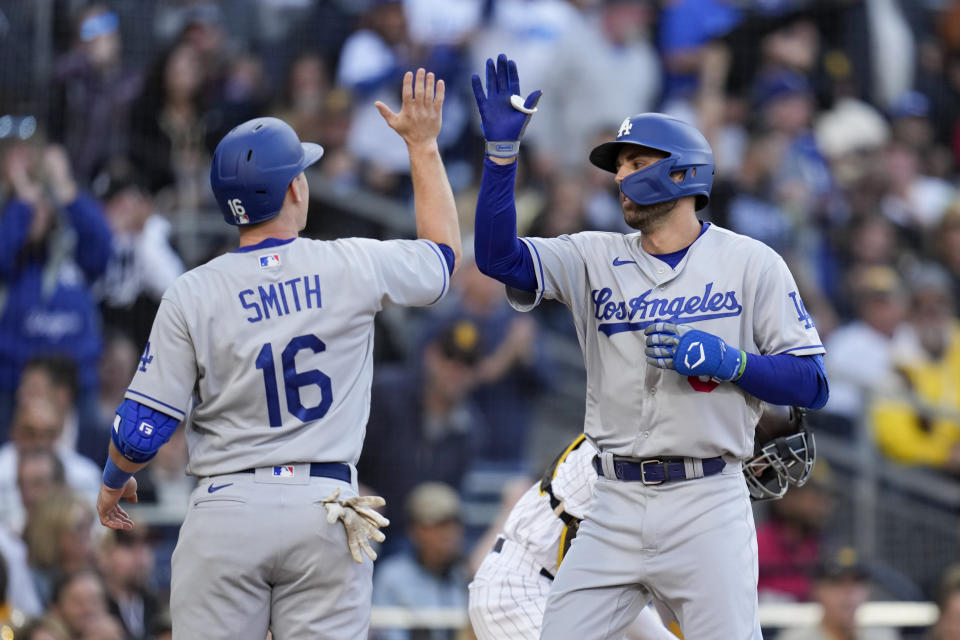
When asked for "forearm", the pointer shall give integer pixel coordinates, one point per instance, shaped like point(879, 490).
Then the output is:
point(499, 253)
point(785, 379)
point(434, 206)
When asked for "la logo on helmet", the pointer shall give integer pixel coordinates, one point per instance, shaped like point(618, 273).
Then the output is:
point(625, 127)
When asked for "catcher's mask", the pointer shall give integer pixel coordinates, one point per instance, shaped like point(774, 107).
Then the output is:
point(781, 462)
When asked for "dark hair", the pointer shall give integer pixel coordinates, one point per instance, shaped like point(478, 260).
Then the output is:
point(59, 476)
point(64, 580)
point(61, 370)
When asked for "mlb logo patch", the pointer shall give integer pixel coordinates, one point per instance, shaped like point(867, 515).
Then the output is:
point(145, 428)
point(285, 471)
point(272, 260)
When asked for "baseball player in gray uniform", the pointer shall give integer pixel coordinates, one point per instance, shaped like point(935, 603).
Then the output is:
point(685, 329)
point(274, 343)
point(509, 592)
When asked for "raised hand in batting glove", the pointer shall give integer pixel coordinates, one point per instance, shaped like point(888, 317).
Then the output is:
point(504, 113)
point(360, 521)
point(692, 352)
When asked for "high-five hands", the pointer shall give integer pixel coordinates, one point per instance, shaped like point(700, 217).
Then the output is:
point(504, 113)
point(420, 114)
point(692, 352)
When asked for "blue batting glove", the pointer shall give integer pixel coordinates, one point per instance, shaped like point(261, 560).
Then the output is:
point(504, 113)
point(691, 352)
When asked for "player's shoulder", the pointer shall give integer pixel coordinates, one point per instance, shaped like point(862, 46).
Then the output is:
point(745, 246)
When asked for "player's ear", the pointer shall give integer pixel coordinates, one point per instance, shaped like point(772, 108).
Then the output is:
point(296, 190)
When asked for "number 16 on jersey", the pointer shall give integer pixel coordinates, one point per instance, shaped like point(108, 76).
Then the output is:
point(294, 380)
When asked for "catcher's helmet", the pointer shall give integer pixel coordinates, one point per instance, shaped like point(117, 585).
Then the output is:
point(687, 149)
point(780, 460)
point(252, 167)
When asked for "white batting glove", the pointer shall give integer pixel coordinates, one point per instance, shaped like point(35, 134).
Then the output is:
point(360, 521)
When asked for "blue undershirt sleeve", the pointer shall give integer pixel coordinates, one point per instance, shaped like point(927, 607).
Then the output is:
point(498, 251)
point(448, 256)
point(786, 379)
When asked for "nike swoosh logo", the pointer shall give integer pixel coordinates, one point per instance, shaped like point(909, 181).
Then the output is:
point(617, 262)
point(214, 487)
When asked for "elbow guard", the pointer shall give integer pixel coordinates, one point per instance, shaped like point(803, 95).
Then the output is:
point(139, 431)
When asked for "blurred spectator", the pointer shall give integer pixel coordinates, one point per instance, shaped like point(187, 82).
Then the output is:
point(18, 597)
point(790, 541)
point(911, 124)
point(39, 473)
point(79, 606)
point(564, 210)
point(53, 380)
point(422, 424)
point(118, 362)
point(245, 95)
point(169, 131)
point(320, 113)
point(841, 585)
point(42, 629)
point(947, 626)
point(753, 209)
point(859, 354)
point(302, 96)
point(126, 563)
point(617, 35)
point(945, 239)
point(913, 200)
point(686, 29)
point(513, 368)
point(36, 425)
point(51, 249)
point(59, 540)
point(92, 92)
point(921, 423)
point(372, 60)
point(143, 263)
point(531, 33)
point(432, 574)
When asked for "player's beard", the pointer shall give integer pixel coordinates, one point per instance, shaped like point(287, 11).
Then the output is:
point(645, 218)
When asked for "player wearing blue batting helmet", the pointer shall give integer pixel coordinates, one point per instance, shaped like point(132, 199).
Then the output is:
point(252, 167)
point(686, 149)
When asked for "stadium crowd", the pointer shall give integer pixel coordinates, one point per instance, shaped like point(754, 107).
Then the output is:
point(836, 129)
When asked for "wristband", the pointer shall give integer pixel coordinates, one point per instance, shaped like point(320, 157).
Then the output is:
point(503, 149)
point(743, 365)
point(113, 476)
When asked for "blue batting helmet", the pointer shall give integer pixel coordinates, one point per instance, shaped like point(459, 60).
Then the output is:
point(686, 148)
point(253, 166)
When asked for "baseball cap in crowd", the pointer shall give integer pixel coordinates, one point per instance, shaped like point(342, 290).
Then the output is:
point(841, 564)
point(433, 503)
point(460, 341)
point(910, 104)
point(98, 24)
point(876, 281)
point(782, 83)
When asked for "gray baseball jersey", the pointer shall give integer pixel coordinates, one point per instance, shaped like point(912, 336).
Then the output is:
point(276, 343)
point(727, 284)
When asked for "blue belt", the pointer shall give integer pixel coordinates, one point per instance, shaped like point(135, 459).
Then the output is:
point(657, 470)
point(335, 470)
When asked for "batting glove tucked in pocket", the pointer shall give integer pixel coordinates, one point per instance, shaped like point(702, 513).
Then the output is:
point(360, 521)
point(692, 352)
